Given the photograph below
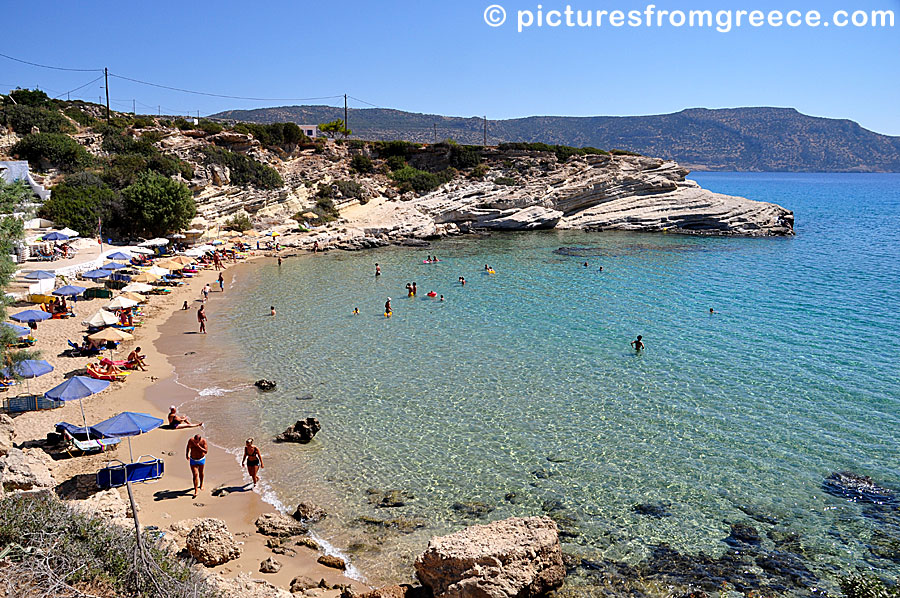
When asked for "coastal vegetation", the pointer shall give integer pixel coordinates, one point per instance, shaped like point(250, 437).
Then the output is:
point(334, 128)
point(52, 149)
point(54, 550)
point(14, 198)
point(79, 202)
point(155, 204)
point(245, 171)
point(239, 222)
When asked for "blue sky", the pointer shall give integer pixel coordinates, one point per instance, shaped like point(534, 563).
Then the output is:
point(441, 57)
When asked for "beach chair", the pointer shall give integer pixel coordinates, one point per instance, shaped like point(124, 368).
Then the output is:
point(23, 403)
point(116, 473)
point(91, 443)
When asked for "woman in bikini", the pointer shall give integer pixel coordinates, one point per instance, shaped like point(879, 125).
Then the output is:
point(253, 460)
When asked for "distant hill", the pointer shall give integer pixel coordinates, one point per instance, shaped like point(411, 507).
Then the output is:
point(749, 139)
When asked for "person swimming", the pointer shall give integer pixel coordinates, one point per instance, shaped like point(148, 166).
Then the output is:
point(442, 297)
point(355, 311)
point(638, 344)
point(585, 264)
point(486, 268)
point(409, 291)
point(272, 310)
point(462, 280)
point(414, 290)
point(377, 269)
point(711, 312)
point(387, 307)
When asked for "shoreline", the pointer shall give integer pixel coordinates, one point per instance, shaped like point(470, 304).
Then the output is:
point(166, 501)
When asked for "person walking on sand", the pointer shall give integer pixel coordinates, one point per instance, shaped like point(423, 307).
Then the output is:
point(221, 283)
point(201, 317)
point(253, 460)
point(638, 344)
point(195, 453)
point(205, 293)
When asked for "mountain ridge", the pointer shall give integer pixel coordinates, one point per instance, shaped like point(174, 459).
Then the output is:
point(766, 139)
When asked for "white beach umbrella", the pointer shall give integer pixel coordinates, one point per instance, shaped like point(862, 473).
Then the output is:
point(157, 242)
point(120, 303)
point(69, 232)
point(157, 270)
point(138, 287)
point(142, 250)
point(101, 318)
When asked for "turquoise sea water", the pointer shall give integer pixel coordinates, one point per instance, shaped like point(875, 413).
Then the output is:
point(523, 383)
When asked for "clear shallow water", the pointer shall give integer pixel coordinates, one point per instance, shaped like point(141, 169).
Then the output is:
point(523, 382)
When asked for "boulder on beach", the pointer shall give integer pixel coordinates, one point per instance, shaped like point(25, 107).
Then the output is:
point(514, 557)
point(21, 470)
point(244, 586)
point(301, 432)
point(269, 565)
point(309, 512)
point(279, 525)
point(211, 543)
point(7, 433)
point(335, 562)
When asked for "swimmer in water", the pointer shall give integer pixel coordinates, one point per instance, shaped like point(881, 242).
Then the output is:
point(442, 297)
point(711, 312)
point(486, 267)
point(600, 269)
point(387, 307)
point(462, 280)
point(638, 344)
point(377, 269)
point(409, 291)
point(414, 290)
point(585, 264)
point(355, 311)
point(272, 310)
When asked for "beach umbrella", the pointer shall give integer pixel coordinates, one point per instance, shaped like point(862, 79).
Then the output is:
point(138, 287)
point(19, 331)
point(55, 236)
point(169, 265)
point(177, 236)
point(69, 232)
point(120, 302)
point(157, 270)
point(145, 277)
point(28, 368)
point(69, 291)
point(119, 255)
point(77, 388)
point(195, 252)
point(182, 260)
point(158, 242)
point(95, 274)
point(40, 275)
point(101, 318)
point(111, 335)
point(114, 266)
point(128, 424)
point(142, 250)
point(30, 315)
point(133, 296)
point(218, 242)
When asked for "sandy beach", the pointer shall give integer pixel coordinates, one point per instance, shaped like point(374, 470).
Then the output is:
point(169, 500)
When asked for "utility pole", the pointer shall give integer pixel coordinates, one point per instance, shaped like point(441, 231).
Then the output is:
point(485, 132)
point(106, 87)
point(133, 108)
point(434, 137)
point(158, 110)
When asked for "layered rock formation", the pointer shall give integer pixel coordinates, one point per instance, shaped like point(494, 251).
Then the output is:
point(516, 557)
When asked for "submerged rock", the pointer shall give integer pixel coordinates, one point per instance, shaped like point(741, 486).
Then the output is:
point(743, 533)
point(472, 509)
point(657, 510)
point(388, 498)
point(301, 432)
point(309, 512)
point(514, 557)
point(264, 384)
point(858, 488)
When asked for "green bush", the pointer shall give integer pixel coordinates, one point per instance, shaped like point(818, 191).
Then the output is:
point(621, 152)
point(142, 122)
point(240, 222)
point(479, 172)
point(183, 125)
point(157, 205)
point(505, 180)
point(29, 97)
point(273, 134)
point(420, 180)
point(563, 152)
point(349, 189)
point(210, 127)
point(67, 548)
point(122, 143)
point(79, 206)
point(464, 156)
point(23, 118)
point(325, 209)
point(124, 169)
point(362, 164)
point(82, 118)
point(245, 171)
point(403, 149)
point(395, 163)
point(59, 150)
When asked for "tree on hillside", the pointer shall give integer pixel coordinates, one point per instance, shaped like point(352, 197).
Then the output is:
point(335, 128)
point(79, 206)
point(155, 205)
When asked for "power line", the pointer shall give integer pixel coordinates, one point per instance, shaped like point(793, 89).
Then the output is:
point(55, 68)
point(364, 102)
point(66, 93)
point(219, 95)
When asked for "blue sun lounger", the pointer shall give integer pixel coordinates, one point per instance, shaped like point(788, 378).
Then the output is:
point(146, 469)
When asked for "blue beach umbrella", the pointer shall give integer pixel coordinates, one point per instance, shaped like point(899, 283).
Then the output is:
point(20, 331)
point(56, 237)
point(30, 315)
point(119, 255)
point(114, 266)
point(28, 368)
point(69, 291)
point(95, 274)
point(40, 275)
point(77, 388)
point(128, 424)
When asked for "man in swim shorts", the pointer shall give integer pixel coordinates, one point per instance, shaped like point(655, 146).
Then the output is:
point(377, 269)
point(195, 452)
point(387, 306)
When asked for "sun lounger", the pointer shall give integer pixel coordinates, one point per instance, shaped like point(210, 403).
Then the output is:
point(23, 403)
point(76, 447)
point(146, 469)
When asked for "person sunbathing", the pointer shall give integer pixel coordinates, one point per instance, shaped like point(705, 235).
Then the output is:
point(178, 422)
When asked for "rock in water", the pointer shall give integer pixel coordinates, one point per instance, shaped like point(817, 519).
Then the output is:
point(514, 557)
point(309, 512)
point(335, 562)
point(211, 543)
point(264, 384)
point(302, 431)
point(858, 488)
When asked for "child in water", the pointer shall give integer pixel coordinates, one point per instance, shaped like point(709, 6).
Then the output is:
point(355, 311)
point(272, 310)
